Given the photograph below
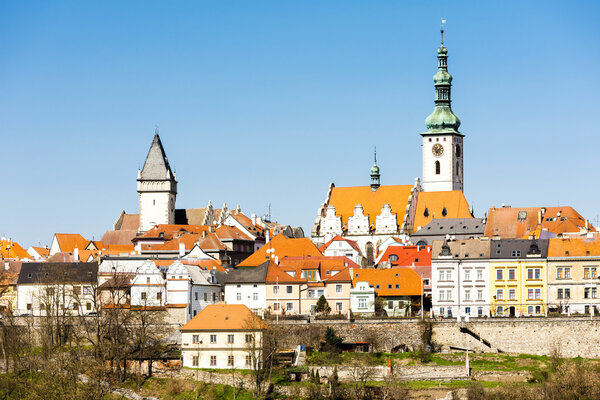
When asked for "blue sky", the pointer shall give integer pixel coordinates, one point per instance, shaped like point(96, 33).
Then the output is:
point(266, 102)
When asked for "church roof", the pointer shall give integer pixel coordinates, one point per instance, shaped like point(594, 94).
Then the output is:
point(431, 205)
point(157, 165)
point(345, 198)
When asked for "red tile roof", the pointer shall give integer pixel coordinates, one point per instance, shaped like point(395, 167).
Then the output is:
point(407, 255)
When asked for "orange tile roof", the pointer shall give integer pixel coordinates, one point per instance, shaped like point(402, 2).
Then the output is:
point(407, 255)
point(225, 232)
point(325, 265)
point(505, 222)
point(281, 247)
point(278, 275)
point(338, 238)
point(42, 251)
point(345, 198)
point(69, 241)
point(408, 280)
point(434, 202)
point(574, 248)
point(224, 317)
point(10, 249)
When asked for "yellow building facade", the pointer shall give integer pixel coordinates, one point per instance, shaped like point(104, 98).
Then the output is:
point(518, 277)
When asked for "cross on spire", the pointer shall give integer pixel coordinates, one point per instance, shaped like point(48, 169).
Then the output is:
point(442, 30)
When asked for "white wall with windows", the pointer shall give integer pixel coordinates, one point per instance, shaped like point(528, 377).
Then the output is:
point(252, 295)
point(220, 349)
point(460, 287)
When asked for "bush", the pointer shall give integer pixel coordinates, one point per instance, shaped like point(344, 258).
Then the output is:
point(332, 341)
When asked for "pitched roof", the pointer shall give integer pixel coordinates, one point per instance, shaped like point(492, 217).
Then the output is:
point(224, 317)
point(331, 269)
point(408, 281)
point(278, 275)
point(407, 255)
point(281, 247)
point(478, 248)
point(574, 248)
point(156, 166)
point(50, 272)
point(42, 251)
point(167, 231)
point(248, 275)
point(10, 249)
point(119, 237)
point(67, 242)
point(518, 248)
point(344, 199)
point(511, 223)
point(453, 226)
point(338, 238)
point(431, 205)
point(226, 232)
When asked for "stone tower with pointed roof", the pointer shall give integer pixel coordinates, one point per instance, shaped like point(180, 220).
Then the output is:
point(157, 188)
point(442, 143)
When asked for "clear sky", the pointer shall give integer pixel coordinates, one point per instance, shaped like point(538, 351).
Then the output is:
point(266, 102)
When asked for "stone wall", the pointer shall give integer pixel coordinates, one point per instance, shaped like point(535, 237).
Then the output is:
point(572, 336)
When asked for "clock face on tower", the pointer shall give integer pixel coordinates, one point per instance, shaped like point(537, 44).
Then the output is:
point(437, 150)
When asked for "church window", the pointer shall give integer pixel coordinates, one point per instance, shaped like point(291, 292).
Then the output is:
point(421, 243)
point(444, 212)
point(426, 213)
point(370, 253)
point(457, 150)
point(457, 169)
point(437, 168)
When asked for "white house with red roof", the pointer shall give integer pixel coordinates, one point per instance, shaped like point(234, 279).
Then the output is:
point(339, 246)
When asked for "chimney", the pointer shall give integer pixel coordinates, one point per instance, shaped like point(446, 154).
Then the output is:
point(540, 213)
point(181, 249)
point(267, 235)
point(203, 234)
point(138, 248)
point(253, 219)
point(76, 254)
point(6, 265)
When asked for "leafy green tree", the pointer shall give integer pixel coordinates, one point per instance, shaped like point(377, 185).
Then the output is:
point(322, 306)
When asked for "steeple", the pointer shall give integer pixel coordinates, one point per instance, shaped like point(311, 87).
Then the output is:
point(375, 173)
point(157, 188)
point(157, 165)
point(442, 120)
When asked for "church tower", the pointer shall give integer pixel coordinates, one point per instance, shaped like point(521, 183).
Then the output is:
point(157, 188)
point(442, 143)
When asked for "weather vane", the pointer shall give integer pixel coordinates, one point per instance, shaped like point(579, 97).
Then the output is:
point(442, 29)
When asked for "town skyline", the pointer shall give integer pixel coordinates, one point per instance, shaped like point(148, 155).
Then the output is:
point(254, 132)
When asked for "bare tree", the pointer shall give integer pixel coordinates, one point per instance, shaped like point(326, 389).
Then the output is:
point(262, 345)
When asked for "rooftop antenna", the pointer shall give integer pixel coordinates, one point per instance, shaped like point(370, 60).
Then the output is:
point(442, 29)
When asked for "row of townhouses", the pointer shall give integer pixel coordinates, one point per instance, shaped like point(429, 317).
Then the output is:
point(515, 277)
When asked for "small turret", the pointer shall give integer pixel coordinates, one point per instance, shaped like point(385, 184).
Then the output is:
point(375, 174)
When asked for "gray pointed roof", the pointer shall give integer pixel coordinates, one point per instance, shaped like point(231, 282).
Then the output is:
point(156, 166)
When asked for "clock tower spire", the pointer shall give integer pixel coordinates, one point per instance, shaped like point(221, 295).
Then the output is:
point(442, 142)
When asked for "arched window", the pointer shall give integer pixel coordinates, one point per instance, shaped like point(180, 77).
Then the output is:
point(426, 212)
point(421, 243)
point(370, 254)
point(458, 150)
point(444, 212)
point(437, 167)
point(457, 169)
point(393, 257)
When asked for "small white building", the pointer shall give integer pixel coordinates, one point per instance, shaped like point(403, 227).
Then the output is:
point(362, 298)
point(222, 336)
point(339, 246)
point(247, 286)
point(191, 288)
point(148, 287)
point(57, 289)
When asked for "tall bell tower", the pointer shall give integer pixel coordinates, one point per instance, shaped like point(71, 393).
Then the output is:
point(442, 143)
point(157, 188)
